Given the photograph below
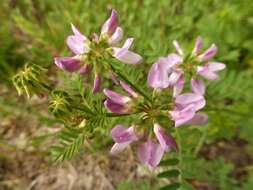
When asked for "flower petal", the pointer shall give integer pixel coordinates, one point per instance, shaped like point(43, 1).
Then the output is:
point(118, 147)
point(128, 89)
point(114, 79)
point(128, 43)
point(96, 84)
point(69, 64)
point(126, 56)
point(178, 87)
point(190, 98)
point(77, 33)
point(150, 153)
point(198, 86)
point(205, 72)
point(199, 119)
point(177, 46)
point(174, 77)
point(110, 24)
point(114, 107)
point(120, 134)
point(216, 66)
point(208, 54)
point(174, 59)
point(85, 69)
point(77, 44)
point(183, 116)
point(197, 46)
point(164, 138)
point(158, 74)
point(116, 37)
point(116, 97)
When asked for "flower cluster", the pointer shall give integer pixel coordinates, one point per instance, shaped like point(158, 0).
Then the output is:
point(151, 139)
point(169, 72)
point(89, 53)
point(149, 151)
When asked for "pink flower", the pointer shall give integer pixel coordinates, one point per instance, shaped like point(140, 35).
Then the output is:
point(118, 103)
point(79, 44)
point(111, 24)
point(169, 71)
point(69, 64)
point(83, 48)
point(123, 137)
point(198, 86)
point(150, 153)
point(96, 84)
point(187, 105)
point(164, 73)
point(210, 70)
point(125, 55)
point(164, 138)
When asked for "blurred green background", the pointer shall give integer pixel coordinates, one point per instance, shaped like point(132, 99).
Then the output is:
point(35, 30)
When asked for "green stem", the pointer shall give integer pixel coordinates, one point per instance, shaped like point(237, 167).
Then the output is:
point(180, 158)
point(119, 115)
point(123, 77)
point(201, 142)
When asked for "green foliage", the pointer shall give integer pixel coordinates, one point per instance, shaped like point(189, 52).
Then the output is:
point(134, 185)
point(36, 32)
point(31, 80)
point(70, 141)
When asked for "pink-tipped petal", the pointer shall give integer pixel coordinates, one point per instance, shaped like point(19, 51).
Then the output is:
point(116, 37)
point(110, 25)
point(77, 44)
point(216, 66)
point(177, 47)
point(77, 33)
point(128, 89)
point(114, 79)
point(191, 99)
point(178, 87)
point(198, 86)
point(208, 54)
point(128, 43)
point(199, 119)
point(164, 138)
point(198, 45)
point(183, 116)
point(120, 134)
point(158, 74)
point(69, 64)
point(116, 97)
point(85, 69)
point(96, 84)
point(174, 77)
point(174, 59)
point(114, 107)
point(126, 56)
point(150, 153)
point(118, 147)
point(205, 72)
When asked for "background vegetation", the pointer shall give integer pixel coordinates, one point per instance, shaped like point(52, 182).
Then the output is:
point(216, 156)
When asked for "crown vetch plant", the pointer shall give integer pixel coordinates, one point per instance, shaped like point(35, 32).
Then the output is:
point(176, 93)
